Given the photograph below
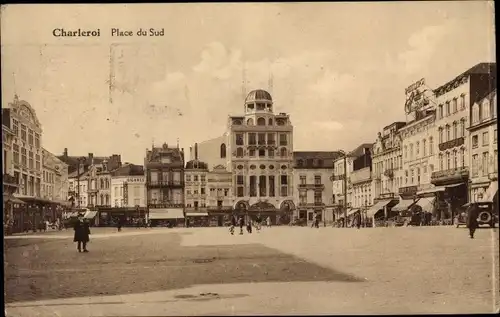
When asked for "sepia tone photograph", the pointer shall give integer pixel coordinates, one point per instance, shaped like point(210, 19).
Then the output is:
point(204, 159)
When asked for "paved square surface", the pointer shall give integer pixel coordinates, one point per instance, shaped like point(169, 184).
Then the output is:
point(282, 270)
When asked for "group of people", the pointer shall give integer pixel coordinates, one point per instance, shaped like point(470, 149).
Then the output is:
point(247, 220)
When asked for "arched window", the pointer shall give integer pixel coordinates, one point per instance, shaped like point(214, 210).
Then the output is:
point(250, 121)
point(448, 133)
point(440, 135)
point(475, 113)
point(107, 184)
point(462, 156)
point(448, 160)
point(440, 111)
point(441, 163)
point(261, 121)
point(239, 152)
point(107, 200)
point(283, 152)
point(485, 111)
point(424, 147)
point(222, 150)
point(102, 184)
point(270, 121)
point(102, 198)
point(455, 130)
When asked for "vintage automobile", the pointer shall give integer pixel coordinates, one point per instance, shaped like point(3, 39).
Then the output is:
point(486, 215)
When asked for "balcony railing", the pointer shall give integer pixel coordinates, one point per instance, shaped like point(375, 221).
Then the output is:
point(312, 186)
point(165, 205)
point(220, 208)
point(165, 183)
point(451, 144)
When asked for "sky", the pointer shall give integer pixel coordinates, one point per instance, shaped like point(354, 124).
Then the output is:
point(339, 69)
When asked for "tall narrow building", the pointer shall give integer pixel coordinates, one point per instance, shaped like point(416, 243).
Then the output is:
point(164, 169)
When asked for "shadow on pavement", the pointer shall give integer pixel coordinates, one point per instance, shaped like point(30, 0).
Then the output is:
point(53, 269)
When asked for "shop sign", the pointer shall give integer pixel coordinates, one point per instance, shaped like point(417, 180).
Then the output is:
point(415, 98)
point(409, 190)
point(136, 180)
point(459, 172)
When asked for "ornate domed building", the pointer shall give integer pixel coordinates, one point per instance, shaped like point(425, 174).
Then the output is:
point(260, 156)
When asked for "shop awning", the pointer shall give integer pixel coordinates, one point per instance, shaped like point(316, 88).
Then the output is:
point(13, 199)
point(432, 190)
point(352, 211)
point(90, 214)
point(404, 204)
point(197, 214)
point(426, 203)
point(166, 213)
point(375, 208)
point(490, 193)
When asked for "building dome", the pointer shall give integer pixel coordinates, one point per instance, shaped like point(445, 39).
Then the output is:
point(196, 164)
point(259, 95)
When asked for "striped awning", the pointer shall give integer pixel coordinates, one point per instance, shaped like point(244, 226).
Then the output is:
point(432, 190)
point(166, 213)
point(426, 203)
point(375, 208)
point(90, 214)
point(404, 204)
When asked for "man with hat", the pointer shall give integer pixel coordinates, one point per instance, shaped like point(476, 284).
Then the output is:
point(82, 232)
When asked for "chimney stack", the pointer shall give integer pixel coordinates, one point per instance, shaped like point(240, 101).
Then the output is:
point(190, 152)
point(65, 153)
point(196, 151)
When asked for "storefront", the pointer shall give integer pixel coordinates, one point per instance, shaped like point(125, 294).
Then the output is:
point(197, 219)
point(166, 217)
point(451, 192)
point(128, 216)
point(381, 211)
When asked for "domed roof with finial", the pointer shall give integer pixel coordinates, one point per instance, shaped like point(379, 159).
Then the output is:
point(259, 95)
point(196, 165)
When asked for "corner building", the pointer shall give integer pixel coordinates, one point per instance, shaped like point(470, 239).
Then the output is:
point(260, 157)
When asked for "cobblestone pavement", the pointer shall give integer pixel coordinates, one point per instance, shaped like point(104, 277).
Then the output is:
point(205, 271)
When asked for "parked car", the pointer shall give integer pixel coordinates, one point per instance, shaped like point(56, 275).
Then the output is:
point(486, 215)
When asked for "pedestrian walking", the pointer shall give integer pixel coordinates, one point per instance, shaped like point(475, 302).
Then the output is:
point(258, 222)
point(119, 224)
point(241, 223)
point(82, 232)
point(233, 225)
point(249, 224)
point(472, 214)
point(268, 221)
point(316, 220)
point(357, 219)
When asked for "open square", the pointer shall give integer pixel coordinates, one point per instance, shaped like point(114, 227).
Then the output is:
point(282, 270)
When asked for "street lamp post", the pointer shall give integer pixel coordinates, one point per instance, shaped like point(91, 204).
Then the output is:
point(78, 179)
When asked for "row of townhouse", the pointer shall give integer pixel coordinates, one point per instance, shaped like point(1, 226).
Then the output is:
point(442, 157)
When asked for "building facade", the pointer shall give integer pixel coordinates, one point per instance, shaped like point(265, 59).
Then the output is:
point(484, 149)
point(419, 145)
point(77, 189)
point(8, 181)
point(338, 188)
point(260, 156)
point(313, 186)
point(55, 183)
point(453, 101)
point(361, 177)
point(164, 169)
point(387, 162)
point(26, 147)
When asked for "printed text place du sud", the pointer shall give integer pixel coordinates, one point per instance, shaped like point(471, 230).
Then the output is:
point(115, 32)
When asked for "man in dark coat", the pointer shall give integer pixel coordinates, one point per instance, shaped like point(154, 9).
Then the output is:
point(241, 223)
point(357, 219)
point(472, 214)
point(82, 232)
